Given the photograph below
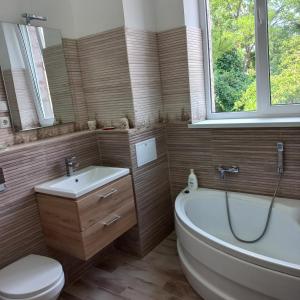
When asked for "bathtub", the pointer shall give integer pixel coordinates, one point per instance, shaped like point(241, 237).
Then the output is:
point(218, 266)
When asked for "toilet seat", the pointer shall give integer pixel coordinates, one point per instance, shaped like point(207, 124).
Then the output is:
point(29, 277)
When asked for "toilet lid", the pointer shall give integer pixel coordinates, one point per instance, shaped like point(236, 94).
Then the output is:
point(29, 276)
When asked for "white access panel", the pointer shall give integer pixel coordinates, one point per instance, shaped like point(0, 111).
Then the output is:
point(146, 152)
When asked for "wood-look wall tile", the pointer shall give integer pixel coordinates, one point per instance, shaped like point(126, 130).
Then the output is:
point(252, 150)
point(182, 73)
point(59, 83)
point(173, 59)
point(196, 73)
point(114, 149)
point(75, 79)
point(25, 166)
point(151, 186)
point(144, 71)
point(152, 190)
point(106, 77)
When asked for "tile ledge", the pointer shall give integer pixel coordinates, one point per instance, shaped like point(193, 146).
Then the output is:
point(45, 141)
point(248, 123)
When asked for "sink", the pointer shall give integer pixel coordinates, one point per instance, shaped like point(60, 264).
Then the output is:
point(82, 182)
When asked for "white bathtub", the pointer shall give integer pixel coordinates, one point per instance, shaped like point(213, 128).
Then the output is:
point(220, 267)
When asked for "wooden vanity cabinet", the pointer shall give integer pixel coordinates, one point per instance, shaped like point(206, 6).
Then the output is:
point(82, 227)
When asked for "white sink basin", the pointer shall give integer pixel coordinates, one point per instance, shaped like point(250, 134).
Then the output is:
point(82, 182)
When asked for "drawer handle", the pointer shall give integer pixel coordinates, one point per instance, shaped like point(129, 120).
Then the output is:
point(104, 196)
point(112, 221)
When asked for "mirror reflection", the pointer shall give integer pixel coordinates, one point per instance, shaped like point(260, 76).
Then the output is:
point(35, 76)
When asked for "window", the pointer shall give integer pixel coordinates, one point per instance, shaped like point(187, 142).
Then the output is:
point(252, 55)
point(32, 42)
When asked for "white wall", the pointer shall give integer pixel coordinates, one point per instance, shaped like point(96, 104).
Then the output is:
point(191, 13)
point(78, 18)
point(169, 14)
point(94, 16)
point(10, 10)
point(75, 18)
point(140, 14)
point(59, 13)
point(160, 15)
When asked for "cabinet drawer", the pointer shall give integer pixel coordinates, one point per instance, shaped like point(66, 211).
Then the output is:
point(108, 229)
point(85, 226)
point(85, 244)
point(101, 203)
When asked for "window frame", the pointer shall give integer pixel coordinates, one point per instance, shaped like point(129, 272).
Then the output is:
point(264, 107)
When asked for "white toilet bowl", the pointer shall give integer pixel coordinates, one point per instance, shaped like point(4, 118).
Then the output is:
point(33, 277)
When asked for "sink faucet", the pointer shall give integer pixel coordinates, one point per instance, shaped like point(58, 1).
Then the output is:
point(223, 170)
point(71, 165)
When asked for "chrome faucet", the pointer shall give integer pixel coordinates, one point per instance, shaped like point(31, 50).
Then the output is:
point(223, 170)
point(71, 165)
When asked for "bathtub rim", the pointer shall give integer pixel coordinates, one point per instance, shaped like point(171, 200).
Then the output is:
point(266, 282)
point(236, 251)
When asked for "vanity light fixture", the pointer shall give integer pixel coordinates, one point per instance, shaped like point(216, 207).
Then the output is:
point(30, 17)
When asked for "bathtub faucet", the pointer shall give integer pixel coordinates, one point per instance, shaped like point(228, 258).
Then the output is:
point(223, 170)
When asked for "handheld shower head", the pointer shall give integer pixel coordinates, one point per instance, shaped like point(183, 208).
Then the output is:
point(280, 146)
point(280, 150)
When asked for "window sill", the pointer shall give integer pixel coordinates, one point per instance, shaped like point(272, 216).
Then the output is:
point(248, 123)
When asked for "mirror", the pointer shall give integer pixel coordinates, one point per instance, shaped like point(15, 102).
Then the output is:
point(35, 76)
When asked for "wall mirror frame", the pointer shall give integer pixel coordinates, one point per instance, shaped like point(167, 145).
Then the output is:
point(34, 72)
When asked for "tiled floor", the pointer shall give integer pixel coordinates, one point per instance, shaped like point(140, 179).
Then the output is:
point(157, 276)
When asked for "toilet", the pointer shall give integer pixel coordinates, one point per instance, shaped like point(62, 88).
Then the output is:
point(33, 277)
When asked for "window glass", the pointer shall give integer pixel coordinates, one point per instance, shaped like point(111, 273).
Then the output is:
point(232, 51)
point(284, 50)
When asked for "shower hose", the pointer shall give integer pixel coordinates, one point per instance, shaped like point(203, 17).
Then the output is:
point(267, 221)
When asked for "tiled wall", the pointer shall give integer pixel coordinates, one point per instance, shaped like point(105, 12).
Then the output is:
point(130, 73)
point(30, 164)
point(75, 80)
point(253, 150)
point(105, 74)
point(196, 74)
point(142, 48)
point(182, 73)
point(151, 184)
point(25, 166)
point(54, 58)
point(152, 190)
point(174, 72)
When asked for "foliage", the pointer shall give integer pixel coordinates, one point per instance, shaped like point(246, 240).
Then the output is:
point(230, 80)
point(233, 44)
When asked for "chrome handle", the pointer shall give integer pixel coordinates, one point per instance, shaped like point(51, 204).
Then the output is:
point(112, 221)
point(104, 196)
